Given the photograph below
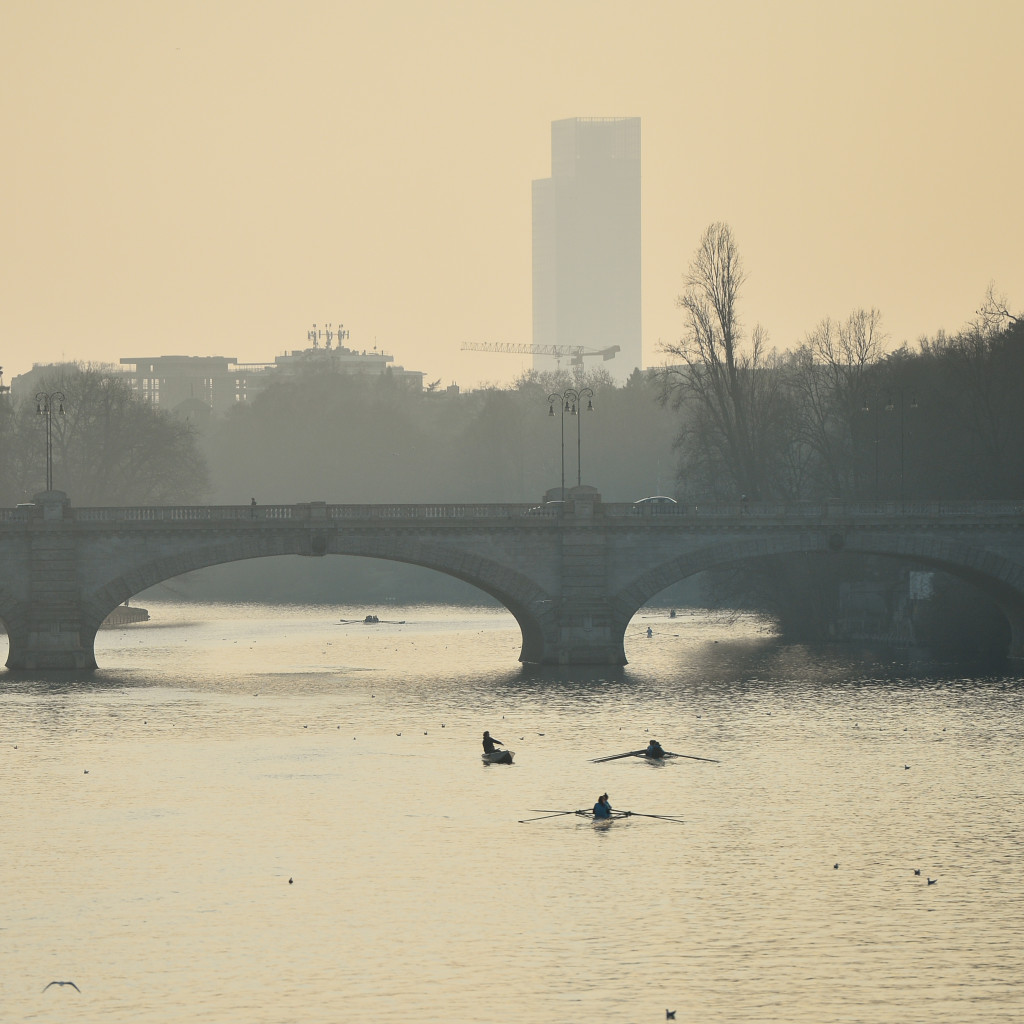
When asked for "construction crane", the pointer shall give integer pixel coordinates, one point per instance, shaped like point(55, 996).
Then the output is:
point(574, 353)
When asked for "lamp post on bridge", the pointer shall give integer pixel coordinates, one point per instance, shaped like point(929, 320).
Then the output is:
point(866, 408)
point(551, 412)
point(44, 407)
point(571, 401)
point(890, 406)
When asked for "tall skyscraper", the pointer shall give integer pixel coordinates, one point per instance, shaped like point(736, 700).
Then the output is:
point(586, 242)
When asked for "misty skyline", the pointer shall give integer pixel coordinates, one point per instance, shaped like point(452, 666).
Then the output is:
point(586, 243)
point(214, 178)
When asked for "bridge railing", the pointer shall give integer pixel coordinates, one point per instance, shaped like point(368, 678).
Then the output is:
point(300, 512)
point(831, 509)
point(697, 512)
point(476, 511)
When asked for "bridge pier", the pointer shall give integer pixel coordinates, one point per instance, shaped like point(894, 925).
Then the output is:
point(581, 627)
point(57, 645)
point(46, 630)
point(575, 633)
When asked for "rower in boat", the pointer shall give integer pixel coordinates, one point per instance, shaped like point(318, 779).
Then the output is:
point(654, 749)
point(602, 809)
point(492, 755)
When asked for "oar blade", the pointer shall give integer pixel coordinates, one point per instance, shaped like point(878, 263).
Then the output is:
point(552, 814)
point(660, 817)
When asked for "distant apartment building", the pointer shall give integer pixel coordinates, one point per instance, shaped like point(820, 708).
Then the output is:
point(210, 385)
point(187, 385)
point(586, 242)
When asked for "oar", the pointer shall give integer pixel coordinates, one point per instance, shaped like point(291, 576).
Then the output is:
point(615, 757)
point(692, 757)
point(556, 814)
point(661, 817)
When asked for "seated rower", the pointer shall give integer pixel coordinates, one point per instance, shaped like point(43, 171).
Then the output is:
point(602, 809)
point(654, 749)
point(490, 743)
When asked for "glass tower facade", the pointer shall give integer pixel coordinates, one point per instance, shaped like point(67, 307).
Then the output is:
point(586, 244)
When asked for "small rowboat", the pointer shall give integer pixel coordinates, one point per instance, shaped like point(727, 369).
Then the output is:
point(499, 757)
point(651, 758)
point(615, 816)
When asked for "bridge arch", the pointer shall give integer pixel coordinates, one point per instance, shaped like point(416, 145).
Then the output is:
point(998, 577)
point(529, 603)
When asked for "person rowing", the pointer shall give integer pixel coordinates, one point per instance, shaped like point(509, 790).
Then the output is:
point(602, 809)
point(490, 743)
point(654, 749)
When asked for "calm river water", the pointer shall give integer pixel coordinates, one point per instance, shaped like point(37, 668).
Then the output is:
point(263, 814)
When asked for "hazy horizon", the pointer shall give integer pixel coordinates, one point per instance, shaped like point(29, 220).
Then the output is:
point(214, 178)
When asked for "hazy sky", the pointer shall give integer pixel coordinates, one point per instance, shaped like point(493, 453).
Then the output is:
point(213, 177)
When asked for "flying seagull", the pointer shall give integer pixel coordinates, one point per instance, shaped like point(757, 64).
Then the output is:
point(71, 983)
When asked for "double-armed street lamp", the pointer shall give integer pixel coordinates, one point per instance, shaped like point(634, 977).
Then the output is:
point(45, 407)
point(866, 409)
point(571, 401)
point(891, 405)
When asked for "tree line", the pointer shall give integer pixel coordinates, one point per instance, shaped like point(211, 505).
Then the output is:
point(839, 416)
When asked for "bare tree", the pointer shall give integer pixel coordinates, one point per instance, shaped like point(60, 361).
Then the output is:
point(828, 376)
point(994, 313)
point(733, 398)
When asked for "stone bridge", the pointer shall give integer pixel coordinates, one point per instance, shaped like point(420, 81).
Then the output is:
point(573, 574)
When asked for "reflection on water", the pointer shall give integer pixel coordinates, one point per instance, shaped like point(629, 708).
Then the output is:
point(267, 814)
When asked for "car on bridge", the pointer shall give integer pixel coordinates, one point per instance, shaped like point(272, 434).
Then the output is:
point(657, 505)
point(549, 508)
